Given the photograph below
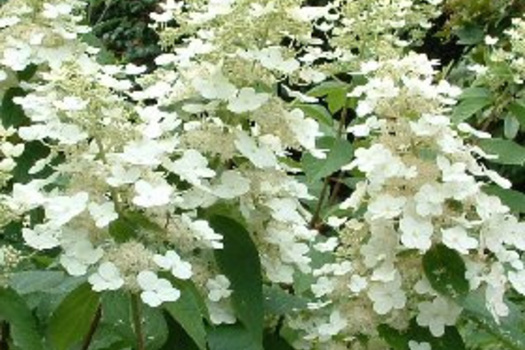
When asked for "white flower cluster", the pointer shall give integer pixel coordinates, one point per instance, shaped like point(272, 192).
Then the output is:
point(423, 187)
point(113, 156)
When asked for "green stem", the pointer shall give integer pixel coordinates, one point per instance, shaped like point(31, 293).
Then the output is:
point(108, 4)
point(137, 321)
point(112, 191)
point(326, 185)
point(317, 212)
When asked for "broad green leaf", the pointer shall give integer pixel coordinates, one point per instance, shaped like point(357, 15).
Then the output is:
point(340, 154)
point(517, 108)
point(327, 88)
point(24, 331)
point(26, 282)
point(509, 330)
point(71, 320)
point(303, 281)
point(511, 126)
point(239, 261)
point(279, 302)
point(27, 73)
point(178, 338)
point(132, 224)
point(336, 100)
point(106, 338)
point(224, 209)
point(513, 199)
point(445, 270)
point(187, 312)
point(155, 327)
point(502, 70)
point(11, 113)
point(317, 112)
point(470, 34)
point(232, 337)
point(508, 152)
point(468, 107)
point(273, 342)
point(395, 338)
point(450, 340)
point(399, 340)
point(116, 313)
point(478, 338)
point(475, 92)
point(143, 222)
point(33, 152)
point(122, 229)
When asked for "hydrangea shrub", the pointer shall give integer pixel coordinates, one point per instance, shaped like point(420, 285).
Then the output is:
point(286, 176)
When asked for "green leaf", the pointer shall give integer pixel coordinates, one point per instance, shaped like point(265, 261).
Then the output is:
point(518, 110)
point(509, 331)
point(143, 222)
point(71, 320)
point(511, 126)
point(513, 199)
point(116, 313)
point(336, 100)
point(340, 154)
point(178, 338)
point(279, 302)
point(502, 70)
point(508, 152)
point(468, 107)
point(33, 151)
point(26, 282)
point(470, 34)
point(450, 340)
point(327, 88)
point(232, 337)
point(123, 229)
point(239, 261)
point(399, 340)
point(155, 327)
point(475, 92)
point(27, 73)
point(395, 338)
point(187, 312)
point(317, 112)
point(274, 342)
point(15, 311)
point(132, 224)
point(11, 113)
point(445, 270)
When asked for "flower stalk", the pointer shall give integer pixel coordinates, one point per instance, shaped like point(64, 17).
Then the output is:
point(136, 314)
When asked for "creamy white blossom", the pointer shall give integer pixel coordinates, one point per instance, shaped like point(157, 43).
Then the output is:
point(246, 100)
point(155, 290)
point(438, 314)
point(107, 277)
point(218, 288)
point(172, 261)
point(103, 213)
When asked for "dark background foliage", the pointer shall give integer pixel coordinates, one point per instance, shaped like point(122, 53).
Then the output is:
point(122, 26)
